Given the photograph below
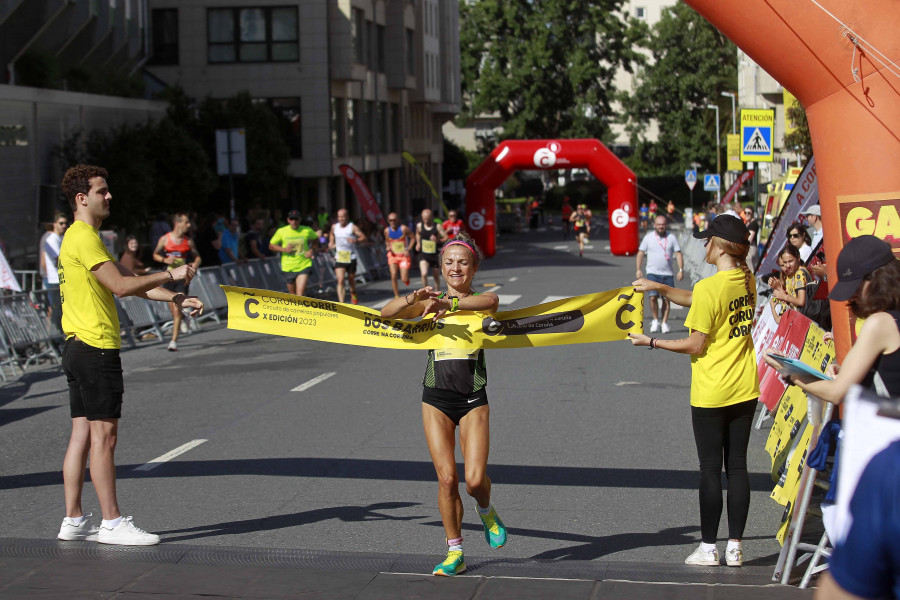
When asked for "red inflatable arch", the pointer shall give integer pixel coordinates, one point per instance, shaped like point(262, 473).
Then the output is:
point(840, 59)
point(514, 155)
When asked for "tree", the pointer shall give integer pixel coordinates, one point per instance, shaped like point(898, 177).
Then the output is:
point(691, 64)
point(800, 138)
point(546, 68)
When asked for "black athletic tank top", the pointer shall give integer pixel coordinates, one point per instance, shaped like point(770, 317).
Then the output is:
point(888, 366)
point(430, 245)
point(456, 370)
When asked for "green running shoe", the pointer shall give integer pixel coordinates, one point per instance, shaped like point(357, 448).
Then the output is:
point(494, 530)
point(454, 564)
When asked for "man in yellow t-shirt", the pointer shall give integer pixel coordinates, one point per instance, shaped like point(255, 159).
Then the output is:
point(88, 277)
point(296, 243)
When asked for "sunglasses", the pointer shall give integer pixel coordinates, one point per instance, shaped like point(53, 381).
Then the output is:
point(63, 223)
point(293, 218)
point(795, 235)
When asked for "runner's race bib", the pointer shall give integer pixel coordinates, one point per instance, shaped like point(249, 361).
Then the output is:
point(398, 247)
point(343, 256)
point(455, 354)
point(429, 247)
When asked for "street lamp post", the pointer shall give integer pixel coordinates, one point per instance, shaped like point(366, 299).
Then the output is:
point(733, 120)
point(718, 158)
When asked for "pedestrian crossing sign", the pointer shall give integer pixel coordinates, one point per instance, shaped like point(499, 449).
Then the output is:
point(711, 183)
point(757, 126)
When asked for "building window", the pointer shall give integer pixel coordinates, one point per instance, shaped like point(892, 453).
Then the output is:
point(410, 53)
point(268, 34)
point(358, 34)
point(380, 49)
point(355, 127)
point(373, 46)
point(165, 36)
point(371, 128)
point(383, 127)
point(338, 132)
point(640, 12)
point(396, 138)
point(291, 117)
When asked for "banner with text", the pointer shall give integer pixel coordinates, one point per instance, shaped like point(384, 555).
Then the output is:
point(600, 317)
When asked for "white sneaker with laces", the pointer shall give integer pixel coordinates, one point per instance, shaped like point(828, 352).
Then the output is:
point(665, 327)
point(172, 347)
point(654, 326)
point(77, 533)
point(702, 558)
point(127, 534)
point(734, 557)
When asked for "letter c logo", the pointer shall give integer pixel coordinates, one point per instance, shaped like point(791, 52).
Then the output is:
point(251, 302)
point(625, 325)
point(544, 158)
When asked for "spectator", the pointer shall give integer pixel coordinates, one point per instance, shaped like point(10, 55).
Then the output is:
point(258, 241)
point(869, 281)
point(159, 227)
point(231, 238)
point(789, 288)
point(323, 220)
point(130, 259)
point(660, 248)
point(797, 237)
point(209, 241)
point(813, 216)
point(50, 246)
point(724, 380)
point(753, 226)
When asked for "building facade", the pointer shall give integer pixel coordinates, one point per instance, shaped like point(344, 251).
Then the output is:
point(364, 81)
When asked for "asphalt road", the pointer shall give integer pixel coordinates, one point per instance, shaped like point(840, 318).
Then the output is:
point(592, 454)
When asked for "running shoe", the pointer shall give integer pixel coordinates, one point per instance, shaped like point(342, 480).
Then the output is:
point(494, 530)
point(664, 327)
point(654, 326)
point(454, 564)
point(734, 557)
point(78, 533)
point(702, 558)
point(173, 346)
point(354, 299)
point(126, 534)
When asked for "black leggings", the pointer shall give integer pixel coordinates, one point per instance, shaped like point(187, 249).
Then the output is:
point(723, 433)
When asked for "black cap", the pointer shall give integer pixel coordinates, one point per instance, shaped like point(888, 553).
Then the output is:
point(294, 214)
point(859, 257)
point(727, 227)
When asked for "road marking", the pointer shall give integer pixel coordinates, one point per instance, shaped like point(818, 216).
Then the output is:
point(552, 299)
point(560, 247)
point(588, 247)
point(169, 455)
point(312, 382)
point(621, 383)
point(511, 279)
point(507, 299)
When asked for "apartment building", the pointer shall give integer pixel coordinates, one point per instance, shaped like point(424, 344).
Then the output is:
point(363, 80)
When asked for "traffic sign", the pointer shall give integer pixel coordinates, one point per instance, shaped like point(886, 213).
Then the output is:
point(757, 126)
point(711, 183)
point(690, 178)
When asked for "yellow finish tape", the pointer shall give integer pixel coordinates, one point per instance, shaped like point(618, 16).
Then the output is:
point(599, 317)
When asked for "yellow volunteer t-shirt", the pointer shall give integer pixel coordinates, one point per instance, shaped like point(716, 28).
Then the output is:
point(725, 373)
point(88, 307)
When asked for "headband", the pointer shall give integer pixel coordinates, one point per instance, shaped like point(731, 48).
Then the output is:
point(475, 254)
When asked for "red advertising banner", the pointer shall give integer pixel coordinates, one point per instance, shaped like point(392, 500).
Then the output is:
point(741, 180)
point(363, 195)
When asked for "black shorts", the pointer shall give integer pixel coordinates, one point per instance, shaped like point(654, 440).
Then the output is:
point(431, 259)
point(454, 404)
point(95, 380)
point(179, 287)
point(350, 266)
point(291, 276)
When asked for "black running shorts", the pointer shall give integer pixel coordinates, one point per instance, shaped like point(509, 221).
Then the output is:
point(95, 380)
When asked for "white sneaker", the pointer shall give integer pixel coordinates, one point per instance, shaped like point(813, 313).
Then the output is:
point(699, 558)
point(173, 346)
point(665, 328)
point(77, 533)
point(654, 326)
point(734, 557)
point(184, 327)
point(127, 534)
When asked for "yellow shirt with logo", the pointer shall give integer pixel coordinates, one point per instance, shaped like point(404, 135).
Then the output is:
point(725, 372)
point(89, 310)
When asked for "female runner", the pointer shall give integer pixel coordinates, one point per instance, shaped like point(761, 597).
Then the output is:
point(455, 395)
point(724, 381)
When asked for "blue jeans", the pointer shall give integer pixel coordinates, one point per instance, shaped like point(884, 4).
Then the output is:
point(668, 280)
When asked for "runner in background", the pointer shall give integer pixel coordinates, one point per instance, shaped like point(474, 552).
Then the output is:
point(652, 210)
point(453, 225)
point(455, 395)
point(566, 214)
point(297, 244)
point(644, 213)
point(581, 227)
point(429, 237)
point(398, 240)
point(343, 238)
point(173, 250)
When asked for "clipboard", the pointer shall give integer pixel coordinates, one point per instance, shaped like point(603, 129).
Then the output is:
point(792, 366)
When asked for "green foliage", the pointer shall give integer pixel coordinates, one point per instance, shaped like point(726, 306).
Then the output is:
point(458, 162)
point(38, 68)
point(41, 69)
point(546, 68)
point(691, 64)
point(801, 137)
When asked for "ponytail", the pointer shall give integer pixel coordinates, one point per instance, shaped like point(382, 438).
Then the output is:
point(739, 253)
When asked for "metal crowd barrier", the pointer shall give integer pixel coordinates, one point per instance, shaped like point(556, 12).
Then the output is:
point(137, 318)
point(694, 253)
point(26, 334)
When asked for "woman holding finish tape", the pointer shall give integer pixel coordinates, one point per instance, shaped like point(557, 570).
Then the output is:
point(724, 380)
point(455, 396)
